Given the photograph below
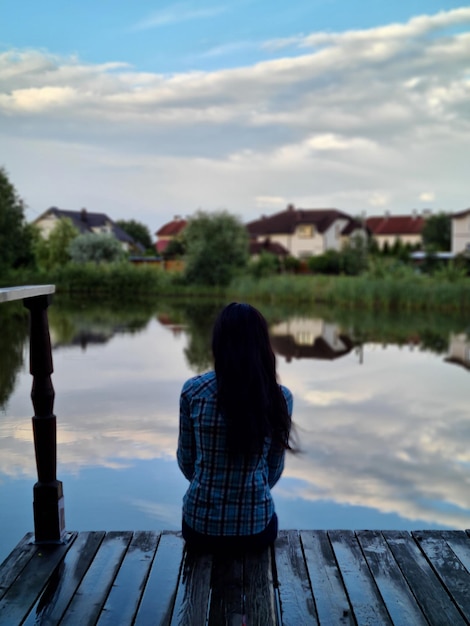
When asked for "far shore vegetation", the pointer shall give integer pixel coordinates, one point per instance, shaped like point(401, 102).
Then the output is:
point(213, 250)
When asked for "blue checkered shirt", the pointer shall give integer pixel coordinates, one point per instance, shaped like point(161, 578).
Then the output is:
point(226, 496)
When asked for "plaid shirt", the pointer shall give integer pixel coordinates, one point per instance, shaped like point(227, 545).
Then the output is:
point(225, 496)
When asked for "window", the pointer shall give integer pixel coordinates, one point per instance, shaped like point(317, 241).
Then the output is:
point(305, 230)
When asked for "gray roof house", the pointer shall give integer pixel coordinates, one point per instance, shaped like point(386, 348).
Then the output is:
point(87, 222)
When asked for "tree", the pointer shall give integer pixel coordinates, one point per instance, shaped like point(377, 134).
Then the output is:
point(15, 233)
point(97, 248)
point(175, 248)
point(353, 256)
point(54, 250)
point(266, 264)
point(140, 232)
point(436, 232)
point(216, 248)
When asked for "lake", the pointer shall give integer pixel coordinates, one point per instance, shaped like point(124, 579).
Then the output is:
point(380, 408)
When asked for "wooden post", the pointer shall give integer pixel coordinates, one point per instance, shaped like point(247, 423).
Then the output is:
point(48, 505)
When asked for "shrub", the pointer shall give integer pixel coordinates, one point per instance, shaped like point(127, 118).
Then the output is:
point(97, 248)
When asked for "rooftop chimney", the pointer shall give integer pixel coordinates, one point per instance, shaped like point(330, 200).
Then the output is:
point(84, 215)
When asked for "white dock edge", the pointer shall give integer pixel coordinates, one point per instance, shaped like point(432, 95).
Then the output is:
point(28, 291)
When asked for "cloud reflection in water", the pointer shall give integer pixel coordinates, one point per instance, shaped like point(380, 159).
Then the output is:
point(384, 430)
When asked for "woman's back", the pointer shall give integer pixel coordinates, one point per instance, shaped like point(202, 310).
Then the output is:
point(229, 494)
point(234, 430)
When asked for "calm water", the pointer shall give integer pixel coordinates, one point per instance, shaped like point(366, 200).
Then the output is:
point(380, 404)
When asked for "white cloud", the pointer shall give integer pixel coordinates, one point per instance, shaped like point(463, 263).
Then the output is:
point(270, 202)
point(364, 118)
point(427, 196)
point(180, 12)
point(378, 200)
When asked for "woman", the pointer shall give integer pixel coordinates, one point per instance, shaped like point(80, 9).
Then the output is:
point(234, 430)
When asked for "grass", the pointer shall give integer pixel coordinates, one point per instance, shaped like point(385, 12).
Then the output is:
point(401, 290)
point(416, 293)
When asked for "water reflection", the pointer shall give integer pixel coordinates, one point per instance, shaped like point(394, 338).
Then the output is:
point(13, 334)
point(382, 417)
point(459, 350)
point(308, 338)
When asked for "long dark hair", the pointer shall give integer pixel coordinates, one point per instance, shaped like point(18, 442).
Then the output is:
point(248, 394)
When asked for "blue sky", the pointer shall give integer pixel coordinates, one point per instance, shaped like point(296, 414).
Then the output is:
point(147, 110)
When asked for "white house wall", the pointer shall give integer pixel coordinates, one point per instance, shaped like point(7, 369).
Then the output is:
point(305, 331)
point(460, 233)
point(46, 225)
point(318, 243)
point(410, 240)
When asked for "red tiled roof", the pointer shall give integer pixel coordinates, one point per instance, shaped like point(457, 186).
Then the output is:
point(395, 225)
point(288, 220)
point(171, 229)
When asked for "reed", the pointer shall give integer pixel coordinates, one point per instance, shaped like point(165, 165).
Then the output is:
point(398, 288)
point(413, 292)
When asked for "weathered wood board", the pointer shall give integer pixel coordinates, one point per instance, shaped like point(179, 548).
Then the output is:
point(309, 577)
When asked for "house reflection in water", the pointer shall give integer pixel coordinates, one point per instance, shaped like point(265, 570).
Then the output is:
point(175, 327)
point(82, 338)
point(459, 350)
point(306, 338)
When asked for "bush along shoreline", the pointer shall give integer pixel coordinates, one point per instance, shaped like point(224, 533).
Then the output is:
point(408, 291)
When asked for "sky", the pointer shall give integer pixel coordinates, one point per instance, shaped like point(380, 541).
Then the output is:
point(146, 110)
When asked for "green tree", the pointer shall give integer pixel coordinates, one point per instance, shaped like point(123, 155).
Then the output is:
point(54, 250)
point(15, 234)
point(216, 248)
point(175, 249)
point(98, 248)
point(436, 232)
point(327, 263)
point(140, 232)
point(266, 264)
point(354, 256)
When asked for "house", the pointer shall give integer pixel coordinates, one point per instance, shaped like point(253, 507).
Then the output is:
point(266, 245)
point(460, 241)
point(459, 350)
point(302, 338)
point(387, 229)
point(168, 232)
point(306, 232)
point(87, 222)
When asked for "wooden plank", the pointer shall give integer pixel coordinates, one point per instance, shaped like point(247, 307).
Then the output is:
point(330, 597)
point(435, 602)
point(158, 598)
point(367, 603)
point(63, 583)
point(192, 597)
point(449, 568)
point(260, 603)
point(15, 562)
point(459, 541)
point(295, 594)
point(227, 599)
point(393, 587)
point(93, 590)
point(124, 597)
point(24, 592)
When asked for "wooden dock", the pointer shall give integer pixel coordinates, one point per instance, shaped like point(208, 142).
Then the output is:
point(310, 577)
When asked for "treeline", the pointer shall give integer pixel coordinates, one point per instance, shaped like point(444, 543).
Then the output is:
point(214, 248)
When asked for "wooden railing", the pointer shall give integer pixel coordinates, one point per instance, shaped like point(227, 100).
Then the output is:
point(48, 497)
